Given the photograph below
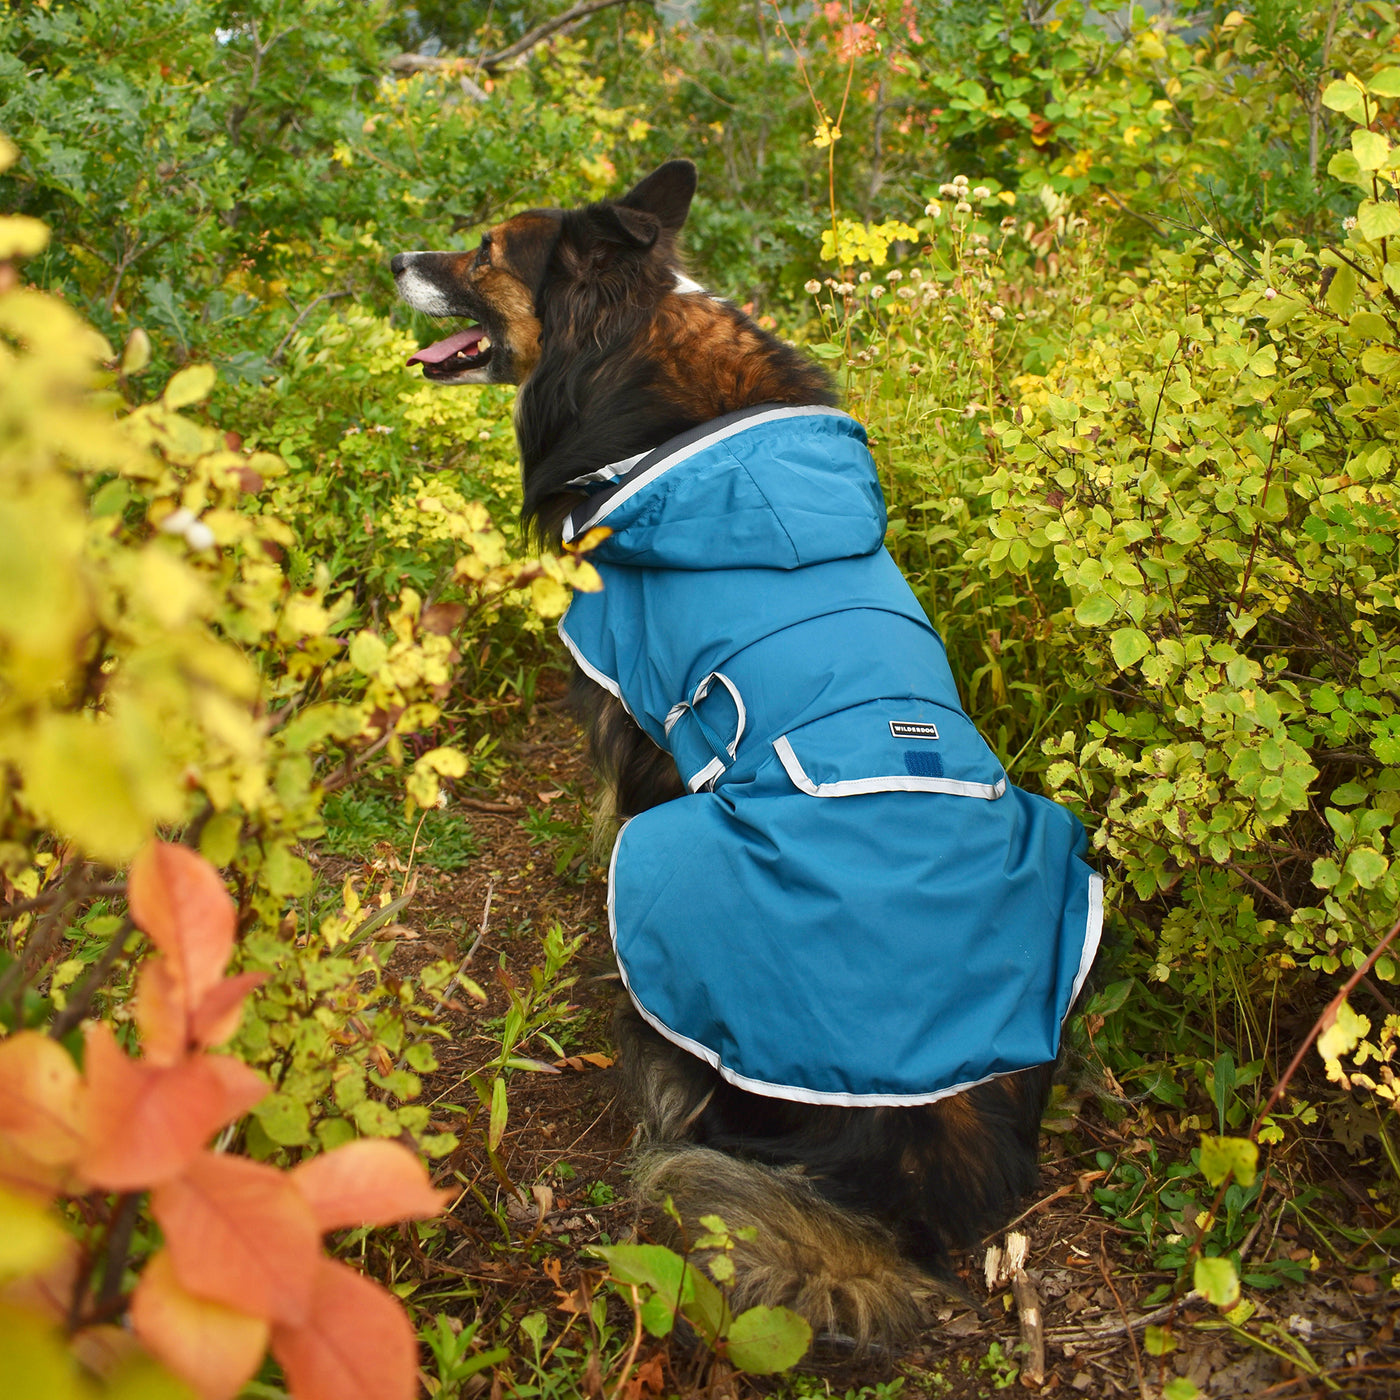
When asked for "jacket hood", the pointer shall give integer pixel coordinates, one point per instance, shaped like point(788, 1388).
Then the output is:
point(771, 487)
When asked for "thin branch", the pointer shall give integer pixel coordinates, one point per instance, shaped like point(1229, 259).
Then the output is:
point(489, 63)
point(81, 999)
point(282, 344)
point(541, 32)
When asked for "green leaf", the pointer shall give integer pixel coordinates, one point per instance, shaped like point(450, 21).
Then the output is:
point(1368, 325)
point(1129, 645)
point(658, 1316)
point(499, 1112)
point(1229, 1156)
point(1342, 97)
point(1343, 167)
point(763, 1340)
point(1095, 611)
point(1378, 220)
point(650, 1266)
point(1386, 83)
point(1366, 866)
point(1341, 290)
point(1180, 1388)
point(1217, 1281)
point(286, 1120)
point(1370, 148)
point(1159, 1341)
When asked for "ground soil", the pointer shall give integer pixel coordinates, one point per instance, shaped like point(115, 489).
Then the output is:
point(566, 1146)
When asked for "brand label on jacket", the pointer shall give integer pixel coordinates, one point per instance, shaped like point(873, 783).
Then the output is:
point(913, 729)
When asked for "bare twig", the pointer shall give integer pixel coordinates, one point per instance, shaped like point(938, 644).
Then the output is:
point(87, 989)
point(1081, 1336)
point(42, 901)
point(1032, 1321)
point(1123, 1313)
point(1323, 1022)
point(282, 344)
point(489, 63)
point(541, 32)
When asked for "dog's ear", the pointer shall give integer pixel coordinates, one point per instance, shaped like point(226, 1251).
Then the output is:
point(665, 193)
point(618, 223)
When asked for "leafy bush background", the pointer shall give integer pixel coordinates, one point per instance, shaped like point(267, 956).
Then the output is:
point(1130, 383)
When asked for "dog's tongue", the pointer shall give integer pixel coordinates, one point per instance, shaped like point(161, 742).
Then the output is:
point(441, 350)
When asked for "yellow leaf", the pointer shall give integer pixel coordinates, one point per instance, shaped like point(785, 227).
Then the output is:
point(31, 1240)
point(21, 236)
point(1343, 1035)
point(189, 385)
point(549, 596)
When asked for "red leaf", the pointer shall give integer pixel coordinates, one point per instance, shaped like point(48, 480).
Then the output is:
point(216, 1349)
point(240, 1233)
point(216, 1018)
point(40, 1092)
point(369, 1182)
point(145, 1123)
point(356, 1342)
point(180, 902)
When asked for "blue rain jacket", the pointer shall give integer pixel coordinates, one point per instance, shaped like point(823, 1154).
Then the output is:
point(851, 905)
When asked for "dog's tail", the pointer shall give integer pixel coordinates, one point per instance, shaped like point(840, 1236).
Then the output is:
point(840, 1270)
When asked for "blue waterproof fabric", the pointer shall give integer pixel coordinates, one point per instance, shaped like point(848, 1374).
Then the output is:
point(851, 906)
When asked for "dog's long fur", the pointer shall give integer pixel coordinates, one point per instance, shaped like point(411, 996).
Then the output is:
point(856, 1209)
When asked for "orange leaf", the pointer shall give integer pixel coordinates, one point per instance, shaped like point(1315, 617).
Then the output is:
point(240, 1233)
point(40, 1090)
point(242, 1085)
point(216, 1018)
point(162, 1015)
point(356, 1342)
point(369, 1182)
point(180, 902)
point(216, 1349)
point(145, 1123)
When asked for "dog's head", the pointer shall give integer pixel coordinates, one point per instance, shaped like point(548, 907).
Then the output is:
point(544, 275)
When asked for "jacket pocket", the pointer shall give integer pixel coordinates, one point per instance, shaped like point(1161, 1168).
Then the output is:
point(891, 746)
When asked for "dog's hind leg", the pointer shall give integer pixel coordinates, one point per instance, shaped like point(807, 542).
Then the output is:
point(840, 1268)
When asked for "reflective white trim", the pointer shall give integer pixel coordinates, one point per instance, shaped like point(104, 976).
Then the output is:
point(590, 670)
point(1093, 930)
point(608, 473)
point(706, 775)
point(772, 415)
point(856, 787)
point(760, 1086)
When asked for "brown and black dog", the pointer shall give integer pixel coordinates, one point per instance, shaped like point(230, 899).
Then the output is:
point(615, 352)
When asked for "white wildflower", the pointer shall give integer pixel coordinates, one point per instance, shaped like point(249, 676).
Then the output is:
point(933, 208)
point(812, 287)
point(894, 275)
point(981, 192)
point(1269, 294)
point(997, 313)
point(962, 207)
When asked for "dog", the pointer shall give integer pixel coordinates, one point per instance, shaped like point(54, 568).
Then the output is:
point(848, 944)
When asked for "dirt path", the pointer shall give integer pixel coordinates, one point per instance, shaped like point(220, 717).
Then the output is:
point(518, 1252)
